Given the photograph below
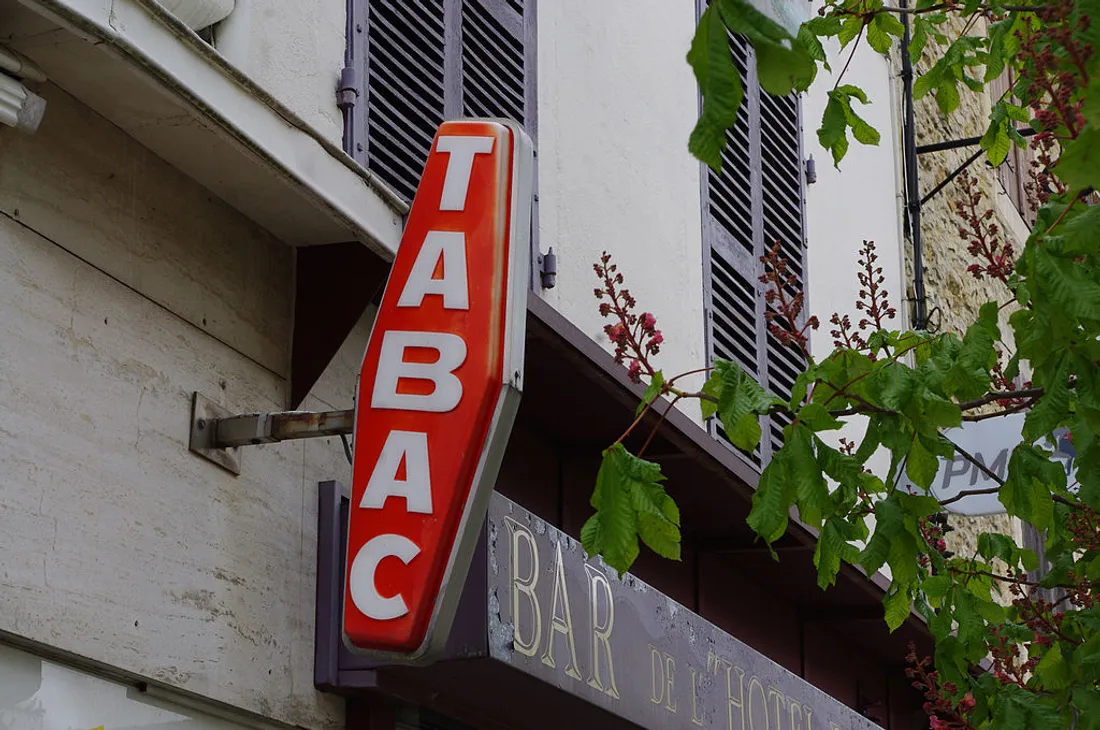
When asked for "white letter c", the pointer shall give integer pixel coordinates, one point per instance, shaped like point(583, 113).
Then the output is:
point(364, 591)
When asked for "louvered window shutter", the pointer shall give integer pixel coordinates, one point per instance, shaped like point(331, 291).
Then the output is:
point(418, 63)
point(755, 201)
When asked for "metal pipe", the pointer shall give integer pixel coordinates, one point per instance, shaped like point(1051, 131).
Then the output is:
point(912, 182)
point(16, 65)
point(267, 428)
point(954, 144)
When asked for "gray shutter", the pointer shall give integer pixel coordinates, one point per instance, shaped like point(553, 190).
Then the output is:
point(493, 60)
point(403, 102)
point(783, 221)
point(756, 200)
point(419, 63)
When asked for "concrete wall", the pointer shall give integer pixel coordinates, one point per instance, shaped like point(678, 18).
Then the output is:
point(123, 288)
point(617, 102)
point(295, 51)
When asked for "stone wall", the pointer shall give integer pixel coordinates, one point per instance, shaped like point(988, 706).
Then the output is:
point(954, 295)
point(124, 287)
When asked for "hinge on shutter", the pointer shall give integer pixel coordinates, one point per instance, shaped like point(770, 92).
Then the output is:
point(348, 90)
point(548, 269)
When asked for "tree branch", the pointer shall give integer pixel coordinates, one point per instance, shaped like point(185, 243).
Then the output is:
point(1000, 395)
point(944, 6)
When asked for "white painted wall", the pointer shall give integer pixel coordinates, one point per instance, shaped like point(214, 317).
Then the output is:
point(617, 102)
point(862, 200)
point(123, 288)
point(295, 51)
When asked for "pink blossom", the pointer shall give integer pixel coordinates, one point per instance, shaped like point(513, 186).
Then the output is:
point(648, 321)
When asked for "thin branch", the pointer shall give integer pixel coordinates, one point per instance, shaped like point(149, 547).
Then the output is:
point(657, 426)
point(855, 45)
point(995, 576)
point(943, 6)
point(969, 493)
point(976, 462)
point(997, 414)
point(1000, 395)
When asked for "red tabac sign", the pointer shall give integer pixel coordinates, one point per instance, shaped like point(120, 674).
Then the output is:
point(438, 390)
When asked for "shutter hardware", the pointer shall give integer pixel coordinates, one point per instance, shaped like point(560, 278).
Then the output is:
point(548, 269)
point(348, 91)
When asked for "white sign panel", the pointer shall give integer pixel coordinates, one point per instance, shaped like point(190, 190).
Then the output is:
point(991, 442)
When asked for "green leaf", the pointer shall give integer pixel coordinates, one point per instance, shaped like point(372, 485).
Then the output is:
point(969, 376)
point(896, 605)
point(1026, 492)
point(656, 384)
point(772, 500)
point(1017, 709)
point(925, 83)
point(783, 65)
point(720, 85)
point(812, 492)
point(1079, 164)
point(889, 524)
point(921, 466)
point(971, 626)
point(919, 40)
point(1087, 702)
point(832, 549)
point(740, 404)
point(1052, 672)
point(877, 38)
point(947, 96)
point(995, 545)
point(713, 388)
point(996, 143)
point(782, 70)
point(817, 417)
point(936, 587)
point(1071, 286)
point(1053, 407)
point(658, 519)
point(1080, 234)
point(832, 134)
point(849, 30)
point(809, 41)
point(630, 502)
point(890, 24)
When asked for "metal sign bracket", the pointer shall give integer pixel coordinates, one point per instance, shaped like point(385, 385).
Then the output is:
point(218, 435)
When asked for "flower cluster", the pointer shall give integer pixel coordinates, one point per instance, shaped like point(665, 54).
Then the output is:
point(934, 529)
point(874, 302)
point(635, 336)
point(1000, 381)
point(944, 711)
point(982, 235)
point(785, 300)
point(1056, 68)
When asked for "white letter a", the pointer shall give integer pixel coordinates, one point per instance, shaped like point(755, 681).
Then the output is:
point(412, 448)
point(453, 285)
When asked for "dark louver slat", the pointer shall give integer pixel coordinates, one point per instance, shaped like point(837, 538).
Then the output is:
point(756, 201)
point(422, 62)
point(493, 65)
